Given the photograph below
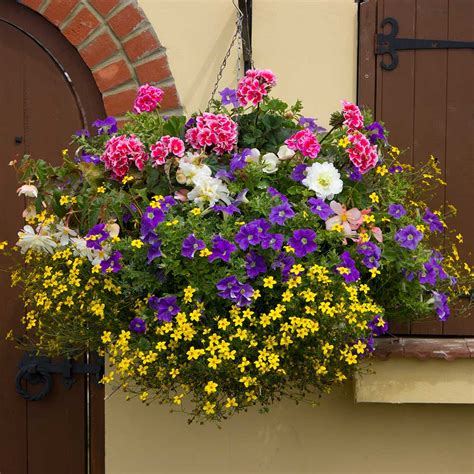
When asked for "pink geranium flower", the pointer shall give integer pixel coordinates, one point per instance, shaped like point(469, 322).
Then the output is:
point(120, 152)
point(148, 98)
point(353, 119)
point(254, 86)
point(164, 146)
point(350, 219)
point(305, 142)
point(362, 153)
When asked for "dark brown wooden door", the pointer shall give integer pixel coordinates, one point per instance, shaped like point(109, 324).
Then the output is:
point(40, 108)
point(427, 103)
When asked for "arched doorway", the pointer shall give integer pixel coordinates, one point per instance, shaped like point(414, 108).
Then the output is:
point(46, 93)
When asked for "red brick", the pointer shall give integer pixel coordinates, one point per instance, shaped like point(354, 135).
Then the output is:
point(104, 6)
point(99, 49)
point(81, 26)
point(154, 70)
point(126, 20)
point(58, 10)
point(33, 4)
point(112, 75)
point(137, 47)
point(121, 102)
point(170, 98)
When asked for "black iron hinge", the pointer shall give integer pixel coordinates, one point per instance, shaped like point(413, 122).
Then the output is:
point(390, 44)
point(37, 370)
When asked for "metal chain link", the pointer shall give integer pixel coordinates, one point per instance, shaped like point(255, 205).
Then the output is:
point(237, 35)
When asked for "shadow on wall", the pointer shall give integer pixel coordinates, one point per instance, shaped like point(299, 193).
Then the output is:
point(338, 436)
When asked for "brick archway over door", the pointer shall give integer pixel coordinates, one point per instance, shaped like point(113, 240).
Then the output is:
point(118, 43)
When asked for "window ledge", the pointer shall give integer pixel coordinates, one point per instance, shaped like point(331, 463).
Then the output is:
point(424, 348)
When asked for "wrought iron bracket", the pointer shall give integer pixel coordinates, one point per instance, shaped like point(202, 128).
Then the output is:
point(38, 370)
point(389, 44)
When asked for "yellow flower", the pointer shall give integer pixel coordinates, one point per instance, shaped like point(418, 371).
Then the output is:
point(209, 408)
point(178, 399)
point(127, 179)
point(343, 142)
point(213, 362)
point(269, 282)
point(395, 150)
point(205, 253)
point(65, 152)
point(369, 218)
point(106, 337)
point(458, 236)
point(374, 272)
point(174, 373)
point(194, 353)
point(289, 249)
point(256, 294)
point(297, 269)
point(144, 396)
point(360, 347)
point(172, 223)
point(231, 402)
point(188, 294)
point(3, 244)
point(136, 243)
point(351, 358)
point(381, 170)
point(340, 376)
point(196, 211)
point(210, 388)
point(337, 228)
point(327, 348)
point(374, 197)
point(101, 189)
point(321, 370)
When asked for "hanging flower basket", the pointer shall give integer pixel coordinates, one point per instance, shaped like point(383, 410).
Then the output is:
point(233, 258)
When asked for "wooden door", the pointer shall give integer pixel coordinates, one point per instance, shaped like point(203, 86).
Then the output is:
point(427, 103)
point(41, 107)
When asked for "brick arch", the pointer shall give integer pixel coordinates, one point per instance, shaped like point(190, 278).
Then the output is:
point(118, 44)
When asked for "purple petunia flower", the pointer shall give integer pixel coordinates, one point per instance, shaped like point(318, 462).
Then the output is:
point(355, 175)
point(377, 132)
point(433, 270)
point(433, 221)
point(276, 194)
point(150, 219)
point(371, 253)
point(395, 169)
point(87, 158)
point(299, 172)
point(229, 96)
point(280, 214)
point(254, 264)
point(238, 160)
point(378, 326)
point(84, 133)
point(112, 264)
point(319, 207)
point(231, 209)
point(272, 241)
point(310, 124)
point(252, 233)
point(191, 245)
point(409, 276)
point(231, 289)
point(108, 125)
point(396, 211)
point(165, 307)
point(96, 236)
point(303, 241)
point(155, 250)
point(284, 261)
point(221, 249)
point(409, 237)
point(351, 274)
point(137, 325)
point(441, 305)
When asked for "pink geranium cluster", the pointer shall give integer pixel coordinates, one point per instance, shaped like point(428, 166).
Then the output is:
point(165, 146)
point(148, 98)
point(254, 86)
point(120, 151)
point(363, 155)
point(353, 119)
point(305, 142)
point(213, 130)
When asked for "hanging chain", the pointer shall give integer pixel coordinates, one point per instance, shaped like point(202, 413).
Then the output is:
point(237, 36)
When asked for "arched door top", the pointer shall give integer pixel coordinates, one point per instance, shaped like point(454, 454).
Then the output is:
point(118, 44)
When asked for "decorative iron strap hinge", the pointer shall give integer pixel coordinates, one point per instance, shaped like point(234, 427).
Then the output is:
point(37, 370)
point(390, 44)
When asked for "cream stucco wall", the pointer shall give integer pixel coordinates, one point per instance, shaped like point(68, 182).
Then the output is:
point(311, 46)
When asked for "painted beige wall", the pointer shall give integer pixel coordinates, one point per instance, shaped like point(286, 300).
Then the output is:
point(339, 436)
point(309, 44)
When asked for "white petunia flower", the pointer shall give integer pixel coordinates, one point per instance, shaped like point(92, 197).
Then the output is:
point(28, 190)
point(253, 156)
point(285, 153)
point(64, 234)
point(270, 163)
point(208, 190)
point(187, 172)
point(324, 179)
point(29, 239)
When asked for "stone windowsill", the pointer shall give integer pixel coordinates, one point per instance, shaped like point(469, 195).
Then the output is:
point(424, 348)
